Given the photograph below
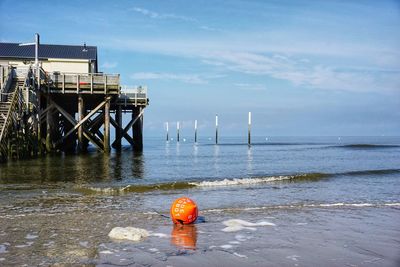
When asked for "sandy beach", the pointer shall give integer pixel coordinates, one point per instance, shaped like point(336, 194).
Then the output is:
point(330, 236)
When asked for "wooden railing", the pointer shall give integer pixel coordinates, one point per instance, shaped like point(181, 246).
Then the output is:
point(135, 96)
point(84, 83)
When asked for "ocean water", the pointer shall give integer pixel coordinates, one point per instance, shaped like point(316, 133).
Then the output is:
point(330, 191)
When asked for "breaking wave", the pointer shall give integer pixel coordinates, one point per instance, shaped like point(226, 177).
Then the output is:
point(208, 183)
point(251, 181)
point(205, 183)
point(305, 205)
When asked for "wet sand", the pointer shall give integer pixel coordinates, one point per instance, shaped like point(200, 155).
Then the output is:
point(331, 236)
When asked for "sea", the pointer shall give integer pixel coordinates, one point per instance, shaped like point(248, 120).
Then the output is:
point(281, 201)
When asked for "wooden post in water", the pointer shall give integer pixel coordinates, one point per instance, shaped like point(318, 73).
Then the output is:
point(39, 123)
point(107, 126)
point(137, 128)
point(195, 131)
point(216, 129)
point(249, 130)
point(167, 131)
point(177, 131)
point(81, 115)
point(118, 133)
point(49, 127)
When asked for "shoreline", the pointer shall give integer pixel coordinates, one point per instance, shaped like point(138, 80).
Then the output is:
point(307, 237)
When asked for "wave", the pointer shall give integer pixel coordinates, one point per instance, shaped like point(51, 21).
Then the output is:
point(260, 180)
point(204, 183)
point(143, 188)
point(366, 146)
point(267, 143)
point(290, 178)
point(304, 205)
point(371, 172)
point(251, 181)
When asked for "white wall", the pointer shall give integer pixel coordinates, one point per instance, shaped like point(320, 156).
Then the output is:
point(66, 66)
point(60, 65)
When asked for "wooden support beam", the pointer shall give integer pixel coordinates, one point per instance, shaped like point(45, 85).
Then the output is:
point(39, 124)
point(77, 124)
point(81, 116)
point(87, 134)
point(106, 141)
point(126, 136)
point(96, 122)
point(126, 129)
point(69, 143)
point(49, 127)
point(44, 112)
point(95, 127)
point(137, 128)
point(117, 125)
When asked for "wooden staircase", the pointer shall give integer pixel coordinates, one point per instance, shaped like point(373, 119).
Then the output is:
point(11, 103)
point(6, 101)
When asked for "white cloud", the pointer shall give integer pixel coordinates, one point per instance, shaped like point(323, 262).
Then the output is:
point(186, 78)
point(351, 67)
point(155, 15)
point(109, 65)
point(302, 73)
point(207, 28)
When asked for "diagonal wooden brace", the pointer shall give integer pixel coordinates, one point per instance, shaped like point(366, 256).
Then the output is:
point(95, 124)
point(126, 135)
point(76, 124)
point(43, 113)
point(126, 129)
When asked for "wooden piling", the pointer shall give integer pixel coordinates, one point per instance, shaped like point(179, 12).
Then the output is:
point(249, 131)
point(216, 129)
point(39, 124)
point(49, 127)
point(137, 128)
point(195, 131)
point(167, 131)
point(69, 143)
point(118, 132)
point(177, 131)
point(81, 115)
point(107, 126)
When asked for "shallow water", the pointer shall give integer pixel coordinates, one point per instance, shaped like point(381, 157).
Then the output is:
point(326, 195)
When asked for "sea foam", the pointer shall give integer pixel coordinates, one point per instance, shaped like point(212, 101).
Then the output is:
point(242, 181)
point(235, 225)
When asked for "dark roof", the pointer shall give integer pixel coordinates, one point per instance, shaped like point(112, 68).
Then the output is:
point(13, 50)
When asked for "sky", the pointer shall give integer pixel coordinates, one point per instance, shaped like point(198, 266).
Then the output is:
point(303, 68)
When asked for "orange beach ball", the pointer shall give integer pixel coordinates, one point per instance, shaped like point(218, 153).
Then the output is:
point(184, 211)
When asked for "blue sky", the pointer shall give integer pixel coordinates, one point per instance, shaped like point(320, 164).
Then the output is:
point(301, 67)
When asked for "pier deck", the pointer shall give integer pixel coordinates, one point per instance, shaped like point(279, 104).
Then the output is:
point(66, 111)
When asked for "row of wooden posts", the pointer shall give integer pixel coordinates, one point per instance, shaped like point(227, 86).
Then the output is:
point(216, 130)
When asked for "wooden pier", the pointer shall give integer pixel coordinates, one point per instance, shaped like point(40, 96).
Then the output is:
point(66, 112)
